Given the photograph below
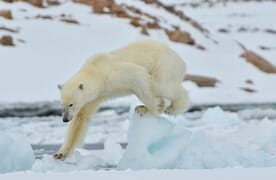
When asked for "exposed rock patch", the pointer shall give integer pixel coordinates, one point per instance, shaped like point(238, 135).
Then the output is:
point(69, 20)
point(180, 36)
point(7, 14)
point(257, 60)
point(201, 81)
point(3, 28)
point(6, 40)
point(247, 89)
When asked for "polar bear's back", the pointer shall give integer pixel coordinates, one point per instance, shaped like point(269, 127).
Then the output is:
point(151, 55)
point(148, 49)
point(156, 58)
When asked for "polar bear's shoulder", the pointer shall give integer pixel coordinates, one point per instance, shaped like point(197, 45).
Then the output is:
point(96, 59)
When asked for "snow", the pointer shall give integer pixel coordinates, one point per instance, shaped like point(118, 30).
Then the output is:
point(217, 140)
point(82, 160)
point(215, 174)
point(16, 153)
point(152, 143)
point(214, 140)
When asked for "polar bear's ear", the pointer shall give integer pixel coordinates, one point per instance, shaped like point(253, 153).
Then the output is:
point(59, 86)
point(81, 86)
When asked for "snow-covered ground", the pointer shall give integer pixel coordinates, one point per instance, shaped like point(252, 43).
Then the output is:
point(104, 126)
point(215, 140)
point(226, 174)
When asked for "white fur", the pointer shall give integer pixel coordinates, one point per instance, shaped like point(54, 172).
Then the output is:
point(148, 69)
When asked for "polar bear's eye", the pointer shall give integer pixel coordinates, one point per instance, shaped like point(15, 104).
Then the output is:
point(70, 105)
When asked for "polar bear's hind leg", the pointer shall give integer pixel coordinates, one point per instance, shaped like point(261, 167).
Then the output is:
point(179, 101)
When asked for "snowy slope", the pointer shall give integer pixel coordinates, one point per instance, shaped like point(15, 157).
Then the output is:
point(54, 50)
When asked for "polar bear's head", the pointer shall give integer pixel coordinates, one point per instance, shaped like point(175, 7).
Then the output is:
point(73, 97)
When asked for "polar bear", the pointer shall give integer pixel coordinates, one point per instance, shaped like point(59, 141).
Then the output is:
point(149, 69)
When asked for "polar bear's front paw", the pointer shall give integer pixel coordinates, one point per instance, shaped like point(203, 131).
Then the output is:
point(141, 110)
point(60, 155)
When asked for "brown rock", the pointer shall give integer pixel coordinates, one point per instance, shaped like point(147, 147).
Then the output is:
point(63, 15)
point(249, 90)
point(122, 14)
point(196, 25)
point(135, 22)
point(249, 81)
point(200, 47)
point(87, 2)
point(37, 3)
point(176, 27)
point(271, 31)
point(223, 30)
point(169, 8)
point(100, 5)
point(202, 81)
point(21, 40)
point(70, 21)
point(9, 1)
point(258, 61)
point(7, 14)
point(264, 47)
point(242, 29)
point(115, 8)
point(150, 1)
point(9, 29)
point(105, 6)
point(180, 36)
point(134, 10)
point(153, 25)
point(53, 2)
point(6, 41)
point(144, 30)
point(43, 16)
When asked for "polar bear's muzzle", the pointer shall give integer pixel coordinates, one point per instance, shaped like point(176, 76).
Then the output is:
point(66, 116)
point(65, 119)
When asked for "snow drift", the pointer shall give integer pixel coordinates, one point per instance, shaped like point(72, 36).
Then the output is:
point(82, 160)
point(217, 140)
point(16, 153)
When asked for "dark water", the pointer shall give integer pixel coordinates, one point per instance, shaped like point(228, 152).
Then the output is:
point(50, 149)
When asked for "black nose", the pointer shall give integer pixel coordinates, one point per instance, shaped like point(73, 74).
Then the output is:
point(65, 120)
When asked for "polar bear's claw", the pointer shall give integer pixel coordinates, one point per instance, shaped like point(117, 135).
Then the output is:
point(141, 110)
